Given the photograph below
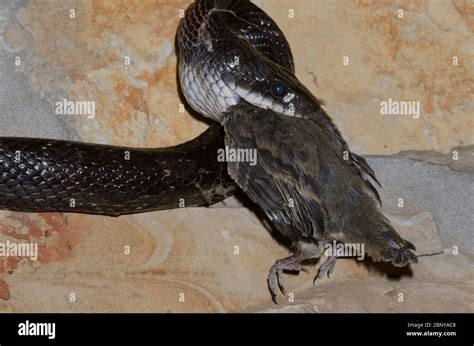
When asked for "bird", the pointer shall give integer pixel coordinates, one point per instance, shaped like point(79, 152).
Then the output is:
point(310, 193)
point(307, 182)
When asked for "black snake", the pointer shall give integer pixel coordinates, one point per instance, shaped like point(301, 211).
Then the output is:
point(53, 175)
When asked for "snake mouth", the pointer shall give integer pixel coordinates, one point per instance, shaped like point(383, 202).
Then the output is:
point(293, 103)
point(281, 107)
point(279, 91)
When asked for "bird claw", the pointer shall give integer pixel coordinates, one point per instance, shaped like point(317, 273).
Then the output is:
point(273, 280)
point(326, 268)
point(275, 276)
point(281, 281)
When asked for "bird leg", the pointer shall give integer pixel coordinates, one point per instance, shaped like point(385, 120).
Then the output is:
point(291, 263)
point(326, 268)
point(275, 276)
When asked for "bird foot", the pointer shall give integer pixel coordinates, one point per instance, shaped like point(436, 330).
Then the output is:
point(326, 268)
point(275, 276)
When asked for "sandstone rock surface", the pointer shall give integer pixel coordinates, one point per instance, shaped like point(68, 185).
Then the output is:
point(217, 259)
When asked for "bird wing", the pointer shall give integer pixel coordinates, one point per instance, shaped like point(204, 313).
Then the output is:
point(355, 162)
point(282, 180)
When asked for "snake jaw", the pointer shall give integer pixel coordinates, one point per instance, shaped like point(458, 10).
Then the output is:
point(218, 71)
point(254, 81)
point(206, 92)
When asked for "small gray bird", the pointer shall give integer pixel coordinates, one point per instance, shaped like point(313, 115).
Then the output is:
point(306, 180)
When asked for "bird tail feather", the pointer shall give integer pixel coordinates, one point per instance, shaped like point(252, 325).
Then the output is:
point(381, 241)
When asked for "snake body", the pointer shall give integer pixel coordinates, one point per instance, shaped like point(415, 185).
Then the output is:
point(52, 175)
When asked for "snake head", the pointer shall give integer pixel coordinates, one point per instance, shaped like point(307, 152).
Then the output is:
point(267, 85)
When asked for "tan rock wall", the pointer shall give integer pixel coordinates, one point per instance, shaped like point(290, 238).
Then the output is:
point(192, 251)
point(408, 59)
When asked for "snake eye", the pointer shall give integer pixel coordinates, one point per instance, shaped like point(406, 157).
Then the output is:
point(279, 90)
